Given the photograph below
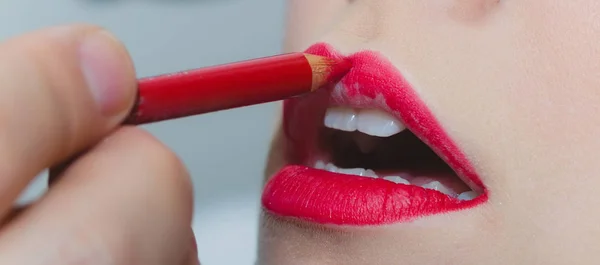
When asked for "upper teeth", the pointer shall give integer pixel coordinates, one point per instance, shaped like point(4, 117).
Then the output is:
point(370, 121)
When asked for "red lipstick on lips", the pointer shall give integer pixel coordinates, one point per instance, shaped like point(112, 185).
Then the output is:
point(331, 198)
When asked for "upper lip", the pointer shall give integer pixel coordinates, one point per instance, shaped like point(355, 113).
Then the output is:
point(373, 82)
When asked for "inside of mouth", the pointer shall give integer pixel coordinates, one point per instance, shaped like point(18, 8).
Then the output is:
point(400, 152)
point(401, 158)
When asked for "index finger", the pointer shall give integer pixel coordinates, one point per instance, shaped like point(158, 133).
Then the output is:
point(62, 89)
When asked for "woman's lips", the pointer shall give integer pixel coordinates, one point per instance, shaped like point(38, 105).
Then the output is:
point(331, 198)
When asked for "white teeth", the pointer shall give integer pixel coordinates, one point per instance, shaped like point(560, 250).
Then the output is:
point(341, 118)
point(331, 168)
point(397, 179)
point(436, 185)
point(406, 176)
point(320, 165)
point(370, 121)
point(467, 195)
point(348, 171)
point(378, 123)
point(401, 179)
point(352, 171)
point(370, 173)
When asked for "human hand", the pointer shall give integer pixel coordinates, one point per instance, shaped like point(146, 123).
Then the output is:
point(127, 200)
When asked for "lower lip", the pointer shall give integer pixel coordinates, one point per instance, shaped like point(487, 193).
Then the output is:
point(329, 198)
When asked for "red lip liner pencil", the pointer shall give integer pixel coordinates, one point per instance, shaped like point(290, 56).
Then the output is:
point(227, 86)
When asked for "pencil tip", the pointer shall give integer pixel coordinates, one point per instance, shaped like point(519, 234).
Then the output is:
point(327, 71)
point(339, 70)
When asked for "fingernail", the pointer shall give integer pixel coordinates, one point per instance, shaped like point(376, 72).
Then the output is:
point(108, 73)
point(194, 252)
point(194, 243)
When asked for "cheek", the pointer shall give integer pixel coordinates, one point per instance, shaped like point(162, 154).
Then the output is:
point(552, 121)
point(555, 92)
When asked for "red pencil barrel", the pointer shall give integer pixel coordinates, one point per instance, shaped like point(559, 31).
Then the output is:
point(221, 87)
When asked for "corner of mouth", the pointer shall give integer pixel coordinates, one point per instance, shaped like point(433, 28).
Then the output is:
point(368, 151)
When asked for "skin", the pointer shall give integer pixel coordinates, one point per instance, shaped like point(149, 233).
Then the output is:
point(127, 200)
point(515, 84)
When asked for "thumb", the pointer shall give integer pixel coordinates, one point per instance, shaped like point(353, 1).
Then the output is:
point(62, 90)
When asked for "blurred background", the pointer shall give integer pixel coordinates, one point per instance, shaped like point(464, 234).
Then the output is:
point(224, 151)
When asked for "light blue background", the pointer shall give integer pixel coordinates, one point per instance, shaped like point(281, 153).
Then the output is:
point(225, 151)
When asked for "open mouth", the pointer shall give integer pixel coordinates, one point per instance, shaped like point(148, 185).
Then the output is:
point(372, 143)
point(368, 152)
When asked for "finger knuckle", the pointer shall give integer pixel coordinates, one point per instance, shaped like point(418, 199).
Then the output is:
point(154, 150)
point(85, 247)
point(42, 71)
point(170, 176)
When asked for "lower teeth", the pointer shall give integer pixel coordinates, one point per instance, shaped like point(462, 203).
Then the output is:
point(436, 185)
point(433, 185)
point(467, 195)
point(397, 180)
